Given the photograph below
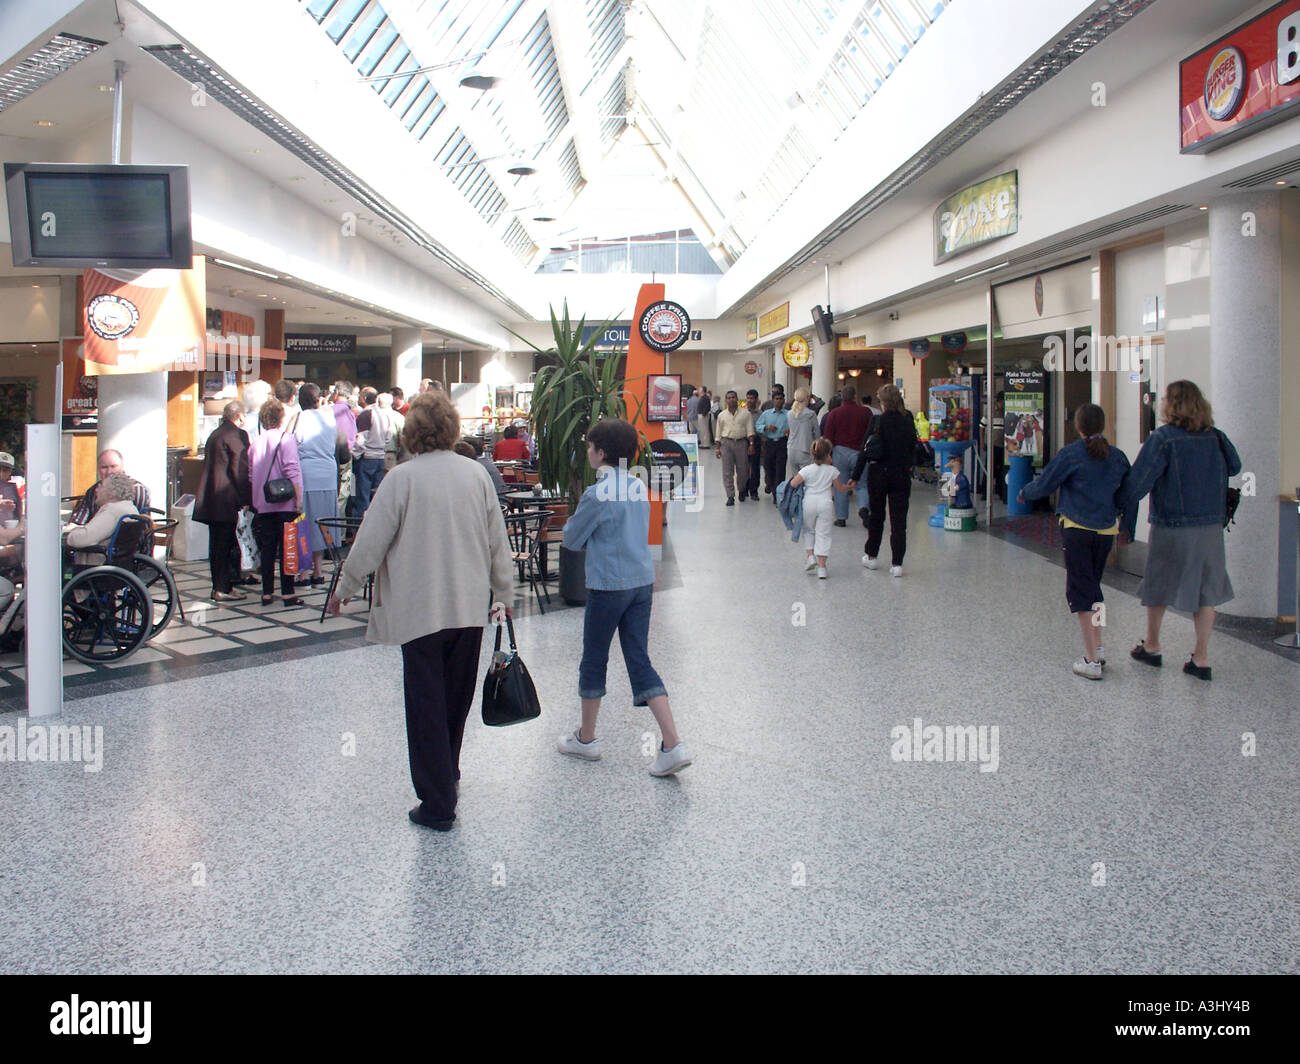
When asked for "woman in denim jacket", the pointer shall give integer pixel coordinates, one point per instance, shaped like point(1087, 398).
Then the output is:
point(612, 523)
point(1185, 465)
point(1090, 474)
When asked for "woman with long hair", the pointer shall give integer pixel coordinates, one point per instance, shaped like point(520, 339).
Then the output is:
point(889, 478)
point(803, 430)
point(1184, 465)
point(1089, 474)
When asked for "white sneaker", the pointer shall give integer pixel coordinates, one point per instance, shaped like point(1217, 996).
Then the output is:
point(667, 762)
point(870, 562)
point(810, 564)
point(1101, 656)
point(1089, 669)
point(895, 570)
point(575, 747)
point(821, 573)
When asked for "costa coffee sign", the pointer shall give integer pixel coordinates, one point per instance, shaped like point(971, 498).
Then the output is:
point(1245, 81)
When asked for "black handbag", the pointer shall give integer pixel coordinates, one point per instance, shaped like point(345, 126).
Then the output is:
point(874, 447)
point(509, 696)
point(277, 489)
point(1232, 498)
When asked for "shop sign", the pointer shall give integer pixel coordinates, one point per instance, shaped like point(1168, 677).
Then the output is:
point(664, 326)
point(954, 343)
point(664, 401)
point(774, 320)
point(751, 330)
point(80, 390)
point(751, 367)
point(975, 215)
point(795, 352)
point(152, 322)
point(1245, 81)
point(1023, 412)
point(320, 344)
point(228, 323)
point(919, 349)
point(850, 343)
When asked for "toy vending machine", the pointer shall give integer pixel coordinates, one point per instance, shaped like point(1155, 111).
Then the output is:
point(951, 435)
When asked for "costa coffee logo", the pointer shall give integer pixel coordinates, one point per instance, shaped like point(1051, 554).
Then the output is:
point(111, 317)
point(795, 352)
point(751, 368)
point(1225, 84)
point(665, 326)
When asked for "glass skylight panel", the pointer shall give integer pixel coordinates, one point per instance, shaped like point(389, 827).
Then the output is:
point(318, 9)
point(362, 31)
point(379, 45)
point(888, 29)
point(342, 17)
point(909, 15)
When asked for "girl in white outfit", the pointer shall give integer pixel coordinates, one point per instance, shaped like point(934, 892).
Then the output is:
point(818, 505)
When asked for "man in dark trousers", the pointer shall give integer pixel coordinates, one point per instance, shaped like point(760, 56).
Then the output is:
point(755, 446)
point(846, 428)
point(223, 492)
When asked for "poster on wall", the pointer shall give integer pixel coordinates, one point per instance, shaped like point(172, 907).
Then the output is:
point(1024, 408)
point(144, 322)
point(664, 397)
point(79, 410)
point(689, 488)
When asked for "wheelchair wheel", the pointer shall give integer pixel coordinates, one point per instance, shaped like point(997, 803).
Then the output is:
point(158, 582)
point(106, 615)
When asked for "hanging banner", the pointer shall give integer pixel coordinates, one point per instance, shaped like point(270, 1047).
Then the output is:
point(975, 215)
point(144, 322)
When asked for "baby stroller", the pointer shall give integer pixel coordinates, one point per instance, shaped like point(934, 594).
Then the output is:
point(923, 468)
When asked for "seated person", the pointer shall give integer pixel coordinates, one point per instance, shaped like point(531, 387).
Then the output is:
point(470, 448)
point(11, 551)
point(511, 448)
point(110, 462)
point(11, 504)
point(114, 499)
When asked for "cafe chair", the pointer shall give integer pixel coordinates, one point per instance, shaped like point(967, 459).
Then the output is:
point(339, 534)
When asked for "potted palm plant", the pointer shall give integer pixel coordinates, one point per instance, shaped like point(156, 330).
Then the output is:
point(569, 396)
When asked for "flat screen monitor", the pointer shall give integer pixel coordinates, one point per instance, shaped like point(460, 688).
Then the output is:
point(124, 216)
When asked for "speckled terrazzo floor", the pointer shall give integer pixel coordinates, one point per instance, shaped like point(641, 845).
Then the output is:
point(794, 843)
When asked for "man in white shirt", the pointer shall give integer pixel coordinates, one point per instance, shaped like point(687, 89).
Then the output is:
point(733, 445)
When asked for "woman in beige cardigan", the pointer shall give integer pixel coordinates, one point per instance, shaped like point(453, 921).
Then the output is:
point(435, 539)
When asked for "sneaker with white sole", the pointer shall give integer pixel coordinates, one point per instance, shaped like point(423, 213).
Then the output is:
point(1090, 670)
point(575, 747)
point(870, 562)
point(810, 563)
point(667, 762)
point(895, 570)
point(821, 573)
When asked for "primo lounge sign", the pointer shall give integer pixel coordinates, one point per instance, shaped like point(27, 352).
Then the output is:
point(975, 215)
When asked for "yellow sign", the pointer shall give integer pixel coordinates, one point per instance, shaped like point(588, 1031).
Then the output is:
point(751, 330)
point(851, 343)
point(774, 320)
point(795, 352)
point(976, 215)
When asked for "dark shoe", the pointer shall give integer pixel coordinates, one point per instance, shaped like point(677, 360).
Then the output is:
point(841, 524)
point(1140, 653)
point(418, 816)
point(267, 600)
point(1192, 669)
point(294, 601)
point(731, 502)
point(251, 581)
point(768, 491)
point(302, 581)
point(316, 581)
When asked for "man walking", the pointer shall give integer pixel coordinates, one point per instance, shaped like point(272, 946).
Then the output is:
point(755, 446)
point(846, 427)
point(373, 430)
point(773, 429)
point(735, 430)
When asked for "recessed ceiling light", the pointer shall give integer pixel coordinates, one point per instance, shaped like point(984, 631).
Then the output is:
point(261, 295)
point(43, 123)
point(297, 179)
point(367, 323)
point(1205, 208)
point(253, 151)
point(1281, 182)
point(308, 308)
point(104, 88)
point(332, 199)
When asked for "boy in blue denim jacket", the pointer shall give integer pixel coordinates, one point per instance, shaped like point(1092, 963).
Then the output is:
point(613, 523)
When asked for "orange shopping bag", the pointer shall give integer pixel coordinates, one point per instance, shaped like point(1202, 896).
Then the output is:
point(290, 547)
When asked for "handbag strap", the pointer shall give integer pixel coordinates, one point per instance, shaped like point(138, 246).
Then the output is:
point(510, 625)
point(275, 456)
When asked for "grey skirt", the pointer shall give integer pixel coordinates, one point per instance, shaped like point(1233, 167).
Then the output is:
point(1185, 568)
point(318, 504)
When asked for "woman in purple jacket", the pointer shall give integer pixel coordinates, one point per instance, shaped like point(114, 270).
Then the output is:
point(273, 456)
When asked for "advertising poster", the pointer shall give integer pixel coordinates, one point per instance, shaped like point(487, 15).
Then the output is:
point(80, 391)
point(664, 397)
point(690, 486)
point(1023, 407)
point(144, 322)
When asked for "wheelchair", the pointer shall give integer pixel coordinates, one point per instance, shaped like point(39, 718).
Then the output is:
point(110, 609)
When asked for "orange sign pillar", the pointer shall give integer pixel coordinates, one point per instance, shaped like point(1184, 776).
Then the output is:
point(642, 363)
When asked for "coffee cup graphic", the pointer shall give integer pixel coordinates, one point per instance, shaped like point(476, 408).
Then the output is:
point(664, 394)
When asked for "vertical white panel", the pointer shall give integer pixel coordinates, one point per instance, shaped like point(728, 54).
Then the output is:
point(44, 642)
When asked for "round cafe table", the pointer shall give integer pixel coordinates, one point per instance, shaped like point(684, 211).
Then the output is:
point(520, 500)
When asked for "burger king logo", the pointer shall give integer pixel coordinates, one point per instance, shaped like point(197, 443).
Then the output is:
point(665, 326)
point(111, 317)
point(1225, 84)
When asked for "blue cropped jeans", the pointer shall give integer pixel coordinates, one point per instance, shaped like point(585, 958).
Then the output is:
point(628, 612)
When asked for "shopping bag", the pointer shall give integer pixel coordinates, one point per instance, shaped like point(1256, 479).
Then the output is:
point(250, 558)
point(290, 548)
point(509, 696)
point(304, 544)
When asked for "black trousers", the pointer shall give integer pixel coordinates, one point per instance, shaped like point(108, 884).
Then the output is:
point(755, 468)
point(222, 546)
point(268, 530)
point(774, 452)
point(439, 677)
point(1085, 564)
point(895, 485)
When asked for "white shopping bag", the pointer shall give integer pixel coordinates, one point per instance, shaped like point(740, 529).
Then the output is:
point(249, 556)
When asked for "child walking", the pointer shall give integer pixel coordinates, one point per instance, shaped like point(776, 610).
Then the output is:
point(1090, 474)
point(818, 504)
point(613, 523)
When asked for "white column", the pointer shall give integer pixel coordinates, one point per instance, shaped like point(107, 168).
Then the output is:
point(44, 616)
point(1246, 382)
point(823, 370)
point(133, 421)
point(408, 365)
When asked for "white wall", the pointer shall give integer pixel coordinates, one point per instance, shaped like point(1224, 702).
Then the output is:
point(27, 314)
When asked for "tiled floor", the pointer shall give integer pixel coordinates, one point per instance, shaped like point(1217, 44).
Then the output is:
point(257, 823)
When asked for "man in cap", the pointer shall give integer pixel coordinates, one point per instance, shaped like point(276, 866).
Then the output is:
point(11, 504)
